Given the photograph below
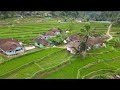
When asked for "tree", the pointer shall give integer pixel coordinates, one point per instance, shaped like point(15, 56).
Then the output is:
point(118, 19)
point(57, 40)
point(86, 31)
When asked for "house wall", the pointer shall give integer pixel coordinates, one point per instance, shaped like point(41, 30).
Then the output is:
point(97, 45)
point(44, 37)
point(36, 44)
point(10, 53)
point(71, 50)
point(17, 50)
point(40, 45)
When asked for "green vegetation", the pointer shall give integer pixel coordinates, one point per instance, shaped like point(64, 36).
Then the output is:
point(17, 63)
point(98, 63)
point(3, 58)
point(80, 68)
point(45, 63)
point(29, 28)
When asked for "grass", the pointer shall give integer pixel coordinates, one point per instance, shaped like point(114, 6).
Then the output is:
point(111, 65)
point(98, 72)
point(53, 60)
point(108, 55)
point(71, 71)
point(43, 64)
point(29, 28)
point(3, 58)
point(23, 60)
point(23, 72)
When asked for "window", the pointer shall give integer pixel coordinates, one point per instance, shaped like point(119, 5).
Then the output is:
point(17, 50)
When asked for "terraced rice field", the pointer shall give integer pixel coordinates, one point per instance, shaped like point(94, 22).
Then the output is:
point(27, 67)
point(30, 28)
point(98, 62)
point(17, 63)
point(94, 64)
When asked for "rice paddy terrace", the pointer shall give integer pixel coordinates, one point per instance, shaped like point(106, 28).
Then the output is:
point(28, 66)
point(47, 63)
point(29, 28)
point(99, 62)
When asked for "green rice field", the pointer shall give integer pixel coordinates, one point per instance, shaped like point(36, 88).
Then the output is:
point(56, 63)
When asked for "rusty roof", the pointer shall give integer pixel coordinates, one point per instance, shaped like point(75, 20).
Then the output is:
point(42, 41)
point(94, 40)
point(75, 37)
point(9, 46)
point(2, 41)
point(52, 32)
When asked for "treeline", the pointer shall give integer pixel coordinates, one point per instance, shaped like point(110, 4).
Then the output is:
point(90, 15)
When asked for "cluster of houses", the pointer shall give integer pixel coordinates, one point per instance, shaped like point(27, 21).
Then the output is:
point(11, 46)
point(74, 41)
point(43, 40)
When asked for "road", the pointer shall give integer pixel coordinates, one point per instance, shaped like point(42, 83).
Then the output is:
point(108, 33)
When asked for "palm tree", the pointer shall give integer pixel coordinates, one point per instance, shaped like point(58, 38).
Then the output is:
point(86, 31)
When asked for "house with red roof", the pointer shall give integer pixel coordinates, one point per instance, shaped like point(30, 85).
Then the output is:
point(10, 46)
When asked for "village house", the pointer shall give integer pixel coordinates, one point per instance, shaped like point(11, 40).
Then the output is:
point(41, 42)
point(51, 33)
point(73, 38)
point(73, 46)
point(95, 42)
point(10, 46)
point(73, 43)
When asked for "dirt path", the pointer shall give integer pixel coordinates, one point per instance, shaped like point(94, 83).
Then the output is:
point(108, 33)
point(64, 46)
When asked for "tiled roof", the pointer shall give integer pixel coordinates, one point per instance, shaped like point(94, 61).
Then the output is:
point(8, 39)
point(42, 41)
point(9, 44)
point(94, 40)
point(52, 32)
